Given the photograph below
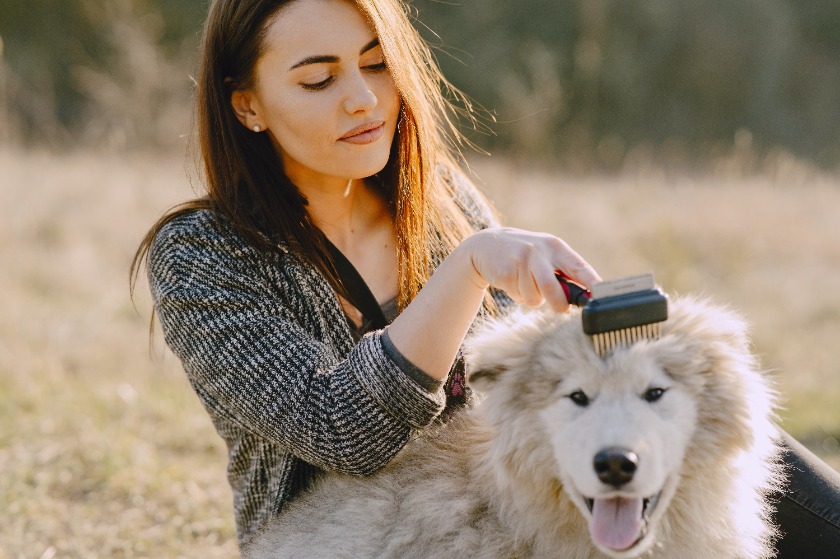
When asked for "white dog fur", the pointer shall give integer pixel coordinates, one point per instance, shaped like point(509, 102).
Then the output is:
point(514, 476)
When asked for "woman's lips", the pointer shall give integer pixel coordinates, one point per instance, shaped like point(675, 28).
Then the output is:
point(365, 134)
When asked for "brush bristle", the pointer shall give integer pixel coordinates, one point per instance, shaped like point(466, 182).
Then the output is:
point(608, 341)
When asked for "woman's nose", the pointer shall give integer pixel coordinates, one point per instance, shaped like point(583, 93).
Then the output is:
point(359, 96)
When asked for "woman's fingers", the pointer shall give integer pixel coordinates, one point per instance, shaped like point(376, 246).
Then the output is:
point(523, 264)
point(550, 288)
point(530, 290)
point(543, 270)
point(574, 266)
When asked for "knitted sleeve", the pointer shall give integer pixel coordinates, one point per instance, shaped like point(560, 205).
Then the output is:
point(259, 357)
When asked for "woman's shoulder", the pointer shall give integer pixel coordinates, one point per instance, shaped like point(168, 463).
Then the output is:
point(194, 239)
point(197, 224)
point(206, 227)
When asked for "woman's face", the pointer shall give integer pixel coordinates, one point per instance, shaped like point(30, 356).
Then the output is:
point(323, 92)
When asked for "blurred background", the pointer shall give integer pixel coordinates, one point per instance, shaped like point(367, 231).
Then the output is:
point(586, 83)
point(699, 139)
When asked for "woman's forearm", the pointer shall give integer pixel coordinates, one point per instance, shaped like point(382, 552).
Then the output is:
point(432, 327)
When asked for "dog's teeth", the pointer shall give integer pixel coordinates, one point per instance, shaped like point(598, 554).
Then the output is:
point(648, 505)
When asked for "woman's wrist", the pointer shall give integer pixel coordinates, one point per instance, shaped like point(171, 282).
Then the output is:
point(467, 250)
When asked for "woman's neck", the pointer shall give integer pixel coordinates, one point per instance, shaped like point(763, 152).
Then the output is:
point(345, 213)
point(355, 218)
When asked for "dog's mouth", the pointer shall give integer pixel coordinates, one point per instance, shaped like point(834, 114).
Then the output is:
point(620, 523)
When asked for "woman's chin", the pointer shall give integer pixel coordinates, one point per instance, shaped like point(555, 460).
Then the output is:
point(362, 167)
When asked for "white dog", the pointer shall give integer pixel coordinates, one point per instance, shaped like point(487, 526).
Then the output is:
point(663, 449)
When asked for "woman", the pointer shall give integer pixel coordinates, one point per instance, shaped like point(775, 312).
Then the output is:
point(325, 137)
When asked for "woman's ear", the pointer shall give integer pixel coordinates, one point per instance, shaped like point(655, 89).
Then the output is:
point(246, 108)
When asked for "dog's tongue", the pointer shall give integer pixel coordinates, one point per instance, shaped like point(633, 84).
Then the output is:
point(616, 523)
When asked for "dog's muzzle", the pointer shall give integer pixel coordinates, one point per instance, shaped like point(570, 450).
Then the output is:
point(619, 522)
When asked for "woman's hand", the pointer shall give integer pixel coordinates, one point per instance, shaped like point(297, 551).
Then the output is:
point(523, 264)
point(432, 327)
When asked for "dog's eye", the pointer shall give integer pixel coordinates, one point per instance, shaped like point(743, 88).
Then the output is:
point(579, 398)
point(653, 394)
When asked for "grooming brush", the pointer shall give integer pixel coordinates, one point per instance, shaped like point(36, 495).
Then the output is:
point(620, 312)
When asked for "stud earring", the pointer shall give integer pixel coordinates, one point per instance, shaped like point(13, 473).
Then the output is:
point(256, 128)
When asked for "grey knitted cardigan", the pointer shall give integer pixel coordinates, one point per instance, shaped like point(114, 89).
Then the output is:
point(268, 350)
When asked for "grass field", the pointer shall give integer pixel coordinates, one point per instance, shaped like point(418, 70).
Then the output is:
point(106, 452)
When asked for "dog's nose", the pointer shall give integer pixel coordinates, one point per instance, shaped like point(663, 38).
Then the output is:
point(615, 466)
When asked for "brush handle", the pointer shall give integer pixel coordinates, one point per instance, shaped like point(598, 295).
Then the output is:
point(575, 294)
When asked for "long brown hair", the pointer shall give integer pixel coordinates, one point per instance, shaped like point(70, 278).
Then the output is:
point(242, 170)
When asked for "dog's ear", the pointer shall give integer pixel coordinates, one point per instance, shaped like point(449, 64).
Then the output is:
point(502, 346)
point(482, 379)
point(484, 362)
point(707, 347)
point(708, 334)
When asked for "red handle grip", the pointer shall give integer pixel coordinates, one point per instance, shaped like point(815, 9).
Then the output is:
point(575, 294)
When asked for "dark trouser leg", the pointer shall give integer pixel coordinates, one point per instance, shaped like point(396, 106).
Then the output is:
point(809, 510)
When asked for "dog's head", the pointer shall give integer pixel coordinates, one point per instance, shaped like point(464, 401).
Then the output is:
point(620, 434)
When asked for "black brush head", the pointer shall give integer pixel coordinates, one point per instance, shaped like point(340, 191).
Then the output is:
point(628, 310)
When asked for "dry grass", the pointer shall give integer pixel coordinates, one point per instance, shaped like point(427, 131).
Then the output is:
point(105, 451)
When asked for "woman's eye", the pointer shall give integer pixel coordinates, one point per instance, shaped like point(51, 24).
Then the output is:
point(653, 394)
point(375, 67)
point(580, 398)
point(317, 85)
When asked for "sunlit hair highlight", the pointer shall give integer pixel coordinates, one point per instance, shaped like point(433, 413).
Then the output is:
point(427, 143)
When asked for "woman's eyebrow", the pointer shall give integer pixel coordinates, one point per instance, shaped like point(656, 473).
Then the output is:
point(329, 59)
point(371, 45)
